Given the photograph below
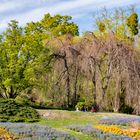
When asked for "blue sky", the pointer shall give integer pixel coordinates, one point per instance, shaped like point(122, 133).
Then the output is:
point(81, 10)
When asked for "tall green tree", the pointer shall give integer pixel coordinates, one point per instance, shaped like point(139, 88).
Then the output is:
point(114, 21)
point(59, 25)
point(23, 57)
point(11, 63)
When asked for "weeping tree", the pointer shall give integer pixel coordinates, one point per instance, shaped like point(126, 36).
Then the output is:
point(67, 66)
point(113, 68)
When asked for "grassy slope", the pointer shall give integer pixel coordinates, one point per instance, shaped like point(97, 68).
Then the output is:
point(59, 119)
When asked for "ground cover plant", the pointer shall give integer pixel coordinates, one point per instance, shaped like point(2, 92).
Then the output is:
point(36, 132)
point(122, 120)
point(98, 133)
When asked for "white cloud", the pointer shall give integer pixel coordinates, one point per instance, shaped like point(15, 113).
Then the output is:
point(8, 5)
point(70, 5)
point(76, 8)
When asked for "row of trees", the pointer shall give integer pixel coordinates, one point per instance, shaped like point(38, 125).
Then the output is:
point(103, 72)
point(123, 22)
point(50, 59)
point(23, 54)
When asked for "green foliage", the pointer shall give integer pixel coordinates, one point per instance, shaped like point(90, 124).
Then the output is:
point(81, 104)
point(59, 25)
point(116, 21)
point(101, 27)
point(132, 23)
point(23, 100)
point(23, 59)
point(14, 112)
point(26, 101)
point(126, 109)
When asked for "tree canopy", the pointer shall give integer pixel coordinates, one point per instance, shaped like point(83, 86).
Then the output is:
point(24, 55)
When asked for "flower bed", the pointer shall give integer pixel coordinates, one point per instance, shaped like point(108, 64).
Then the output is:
point(118, 131)
point(119, 120)
point(4, 135)
point(97, 133)
point(36, 132)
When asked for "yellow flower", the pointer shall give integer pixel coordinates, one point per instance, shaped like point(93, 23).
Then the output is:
point(5, 135)
point(116, 130)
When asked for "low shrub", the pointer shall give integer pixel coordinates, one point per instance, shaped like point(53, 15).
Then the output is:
point(23, 100)
point(13, 112)
point(126, 109)
point(80, 105)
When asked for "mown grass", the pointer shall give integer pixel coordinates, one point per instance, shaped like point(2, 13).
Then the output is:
point(59, 119)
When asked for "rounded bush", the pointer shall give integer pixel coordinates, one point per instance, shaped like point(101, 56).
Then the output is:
point(14, 112)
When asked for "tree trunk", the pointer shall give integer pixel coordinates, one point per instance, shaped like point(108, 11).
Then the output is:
point(75, 87)
point(94, 87)
point(12, 94)
point(117, 102)
point(68, 82)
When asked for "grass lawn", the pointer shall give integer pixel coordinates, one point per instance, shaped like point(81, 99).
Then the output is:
point(59, 119)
